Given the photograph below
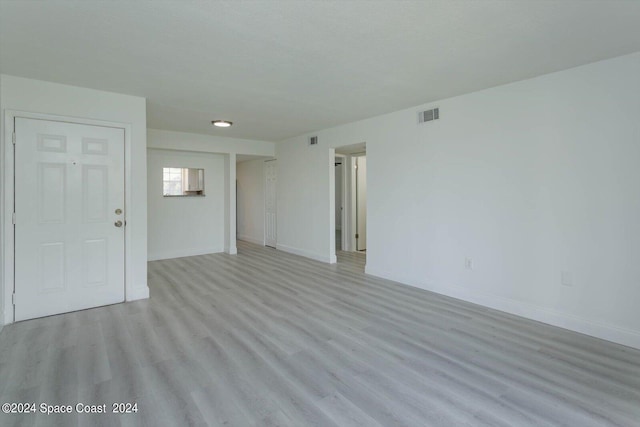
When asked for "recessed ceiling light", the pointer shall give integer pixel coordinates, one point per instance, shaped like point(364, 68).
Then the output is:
point(222, 123)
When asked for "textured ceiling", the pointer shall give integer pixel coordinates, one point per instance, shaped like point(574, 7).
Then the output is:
point(279, 69)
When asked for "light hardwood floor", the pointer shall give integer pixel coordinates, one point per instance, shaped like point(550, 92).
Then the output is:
point(265, 338)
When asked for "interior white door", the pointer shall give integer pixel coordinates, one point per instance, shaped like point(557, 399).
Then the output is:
point(271, 180)
point(69, 204)
point(361, 202)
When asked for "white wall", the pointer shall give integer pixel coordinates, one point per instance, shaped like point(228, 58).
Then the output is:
point(169, 140)
point(250, 176)
point(305, 219)
point(185, 226)
point(36, 96)
point(528, 179)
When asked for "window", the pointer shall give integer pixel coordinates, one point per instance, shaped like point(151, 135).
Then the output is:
point(172, 181)
point(182, 182)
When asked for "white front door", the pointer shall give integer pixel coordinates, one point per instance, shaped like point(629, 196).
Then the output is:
point(271, 180)
point(69, 205)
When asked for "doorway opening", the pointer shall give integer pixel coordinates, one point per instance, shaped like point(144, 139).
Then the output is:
point(350, 198)
point(360, 167)
point(340, 167)
point(256, 178)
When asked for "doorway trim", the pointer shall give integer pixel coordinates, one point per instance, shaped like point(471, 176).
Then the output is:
point(7, 280)
point(356, 201)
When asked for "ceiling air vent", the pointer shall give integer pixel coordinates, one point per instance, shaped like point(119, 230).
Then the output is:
point(429, 115)
point(313, 140)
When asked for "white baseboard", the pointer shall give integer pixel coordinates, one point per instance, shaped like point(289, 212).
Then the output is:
point(307, 254)
point(542, 314)
point(135, 294)
point(231, 250)
point(184, 253)
point(250, 239)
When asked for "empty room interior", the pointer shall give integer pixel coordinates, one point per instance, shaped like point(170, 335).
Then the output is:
point(320, 213)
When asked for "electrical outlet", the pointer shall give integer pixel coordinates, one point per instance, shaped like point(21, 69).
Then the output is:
point(468, 263)
point(566, 278)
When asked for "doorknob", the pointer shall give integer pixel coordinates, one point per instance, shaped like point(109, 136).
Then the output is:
point(118, 223)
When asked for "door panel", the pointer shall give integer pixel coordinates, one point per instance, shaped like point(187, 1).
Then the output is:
point(95, 262)
point(69, 180)
point(52, 182)
point(270, 203)
point(51, 266)
point(96, 192)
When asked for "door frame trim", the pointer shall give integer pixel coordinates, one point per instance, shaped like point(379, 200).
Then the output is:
point(264, 216)
point(345, 227)
point(7, 280)
point(357, 200)
point(353, 202)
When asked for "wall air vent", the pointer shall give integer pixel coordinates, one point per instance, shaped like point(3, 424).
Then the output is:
point(313, 140)
point(429, 115)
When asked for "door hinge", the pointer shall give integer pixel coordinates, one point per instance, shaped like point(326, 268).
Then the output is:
point(13, 138)
point(13, 218)
point(13, 298)
point(357, 236)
